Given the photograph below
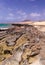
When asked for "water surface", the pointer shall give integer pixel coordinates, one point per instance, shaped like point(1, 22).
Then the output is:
point(5, 25)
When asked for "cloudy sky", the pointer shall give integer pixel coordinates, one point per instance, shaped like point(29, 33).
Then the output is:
point(19, 10)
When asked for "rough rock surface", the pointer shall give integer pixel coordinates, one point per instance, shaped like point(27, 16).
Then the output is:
point(21, 45)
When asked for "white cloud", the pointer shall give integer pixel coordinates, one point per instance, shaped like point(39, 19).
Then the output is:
point(9, 18)
point(19, 16)
point(35, 14)
point(11, 14)
point(22, 14)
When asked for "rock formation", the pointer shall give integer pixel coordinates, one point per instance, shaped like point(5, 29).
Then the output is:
point(20, 45)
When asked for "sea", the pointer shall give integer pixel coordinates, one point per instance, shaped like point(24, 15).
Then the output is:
point(4, 26)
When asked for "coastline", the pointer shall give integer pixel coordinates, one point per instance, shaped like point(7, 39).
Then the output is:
point(6, 27)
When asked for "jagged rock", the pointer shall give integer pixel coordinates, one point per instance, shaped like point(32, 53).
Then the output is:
point(26, 53)
point(24, 62)
point(35, 53)
point(24, 46)
point(10, 43)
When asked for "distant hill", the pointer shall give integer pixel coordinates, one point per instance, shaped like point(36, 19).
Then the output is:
point(32, 22)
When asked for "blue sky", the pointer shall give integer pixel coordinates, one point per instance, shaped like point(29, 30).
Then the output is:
point(19, 10)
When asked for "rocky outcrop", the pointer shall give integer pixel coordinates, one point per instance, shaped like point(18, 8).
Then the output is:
point(21, 48)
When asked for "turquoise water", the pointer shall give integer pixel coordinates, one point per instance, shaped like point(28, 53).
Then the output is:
point(4, 25)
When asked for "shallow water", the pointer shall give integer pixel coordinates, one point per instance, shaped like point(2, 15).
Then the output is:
point(4, 25)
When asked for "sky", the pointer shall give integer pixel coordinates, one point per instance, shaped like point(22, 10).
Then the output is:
point(19, 10)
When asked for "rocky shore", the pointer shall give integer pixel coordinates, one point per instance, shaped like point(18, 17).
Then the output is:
point(21, 45)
